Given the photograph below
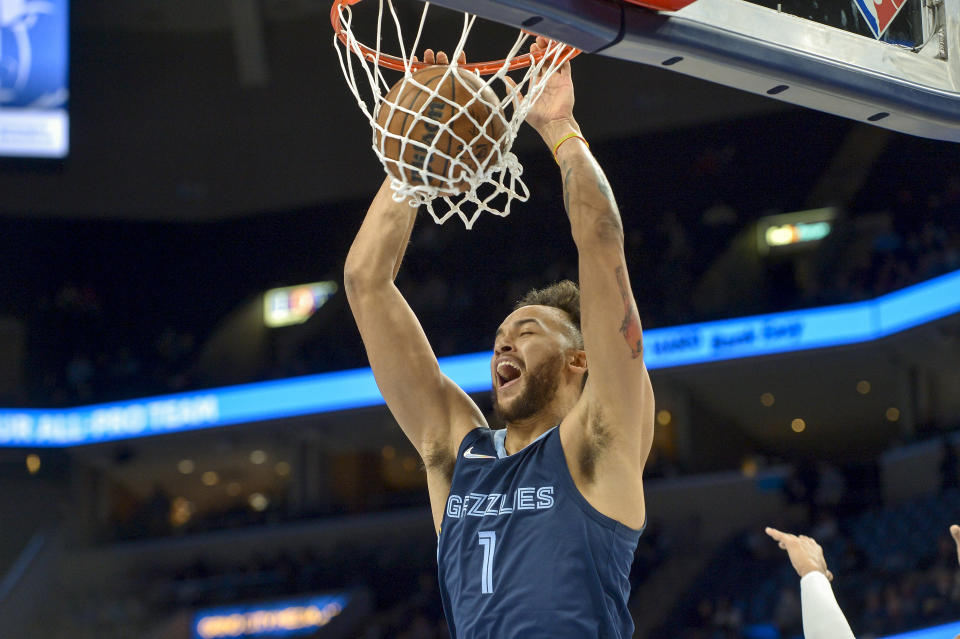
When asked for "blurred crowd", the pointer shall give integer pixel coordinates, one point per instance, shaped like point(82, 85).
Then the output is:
point(79, 355)
point(917, 240)
point(157, 515)
point(121, 329)
point(890, 578)
point(895, 566)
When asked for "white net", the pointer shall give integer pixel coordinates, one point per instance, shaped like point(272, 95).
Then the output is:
point(444, 133)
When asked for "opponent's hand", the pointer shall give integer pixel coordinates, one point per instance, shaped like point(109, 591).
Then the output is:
point(552, 114)
point(805, 553)
point(955, 533)
point(440, 57)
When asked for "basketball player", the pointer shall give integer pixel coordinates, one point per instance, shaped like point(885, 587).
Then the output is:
point(537, 522)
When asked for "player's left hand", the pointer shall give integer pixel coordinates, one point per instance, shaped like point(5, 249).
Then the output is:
point(553, 110)
point(805, 553)
point(440, 57)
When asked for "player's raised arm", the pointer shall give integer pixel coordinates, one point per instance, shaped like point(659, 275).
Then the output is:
point(616, 408)
point(611, 325)
point(433, 412)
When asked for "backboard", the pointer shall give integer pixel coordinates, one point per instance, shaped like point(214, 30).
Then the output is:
point(895, 64)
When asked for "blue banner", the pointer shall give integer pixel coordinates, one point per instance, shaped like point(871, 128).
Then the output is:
point(664, 348)
point(946, 631)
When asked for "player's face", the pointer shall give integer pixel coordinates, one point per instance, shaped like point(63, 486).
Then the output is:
point(528, 360)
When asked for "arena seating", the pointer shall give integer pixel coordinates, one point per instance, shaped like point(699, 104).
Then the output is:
point(89, 342)
point(895, 568)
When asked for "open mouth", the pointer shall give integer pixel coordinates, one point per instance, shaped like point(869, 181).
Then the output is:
point(507, 373)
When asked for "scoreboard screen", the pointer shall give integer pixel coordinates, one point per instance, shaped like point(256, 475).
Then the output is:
point(34, 86)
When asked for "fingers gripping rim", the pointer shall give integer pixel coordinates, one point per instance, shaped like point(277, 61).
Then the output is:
point(399, 64)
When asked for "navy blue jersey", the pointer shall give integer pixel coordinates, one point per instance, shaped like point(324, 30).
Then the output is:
point(521, 552)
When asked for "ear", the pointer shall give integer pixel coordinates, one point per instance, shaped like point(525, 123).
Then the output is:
point(577, 361)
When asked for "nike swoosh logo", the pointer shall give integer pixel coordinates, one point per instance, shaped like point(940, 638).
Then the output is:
point(469, 454)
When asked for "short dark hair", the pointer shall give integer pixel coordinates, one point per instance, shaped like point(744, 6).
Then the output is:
point(564, 295)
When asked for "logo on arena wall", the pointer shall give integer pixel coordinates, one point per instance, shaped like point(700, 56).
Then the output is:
point(33, 56)
point(879, 13)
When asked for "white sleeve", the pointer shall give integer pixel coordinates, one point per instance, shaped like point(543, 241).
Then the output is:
point(822, 617)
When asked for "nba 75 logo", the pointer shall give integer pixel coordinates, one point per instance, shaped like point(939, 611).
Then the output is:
point(879, 13)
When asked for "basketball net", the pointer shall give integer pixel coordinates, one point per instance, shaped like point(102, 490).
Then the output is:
point(472, 185)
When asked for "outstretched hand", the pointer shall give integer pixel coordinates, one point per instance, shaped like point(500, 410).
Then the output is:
point(553, 110)
point(805, 553)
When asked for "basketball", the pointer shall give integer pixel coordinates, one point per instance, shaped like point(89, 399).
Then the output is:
point(412, 114)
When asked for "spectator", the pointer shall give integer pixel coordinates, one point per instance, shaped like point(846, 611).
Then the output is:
point(727, 618)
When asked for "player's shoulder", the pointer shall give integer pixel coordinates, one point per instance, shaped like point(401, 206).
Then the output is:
point(480, 434)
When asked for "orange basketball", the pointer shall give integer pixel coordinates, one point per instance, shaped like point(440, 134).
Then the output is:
point(427, 146)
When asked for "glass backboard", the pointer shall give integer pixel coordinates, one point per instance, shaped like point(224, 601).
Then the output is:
point(903, 24)
point(895, 64)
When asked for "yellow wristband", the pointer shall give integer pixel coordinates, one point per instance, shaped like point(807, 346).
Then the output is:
point(568, 136)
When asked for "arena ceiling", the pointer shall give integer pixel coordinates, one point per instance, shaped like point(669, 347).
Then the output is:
point(198, 111)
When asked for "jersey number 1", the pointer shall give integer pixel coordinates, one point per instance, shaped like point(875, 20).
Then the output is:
point(488, 539)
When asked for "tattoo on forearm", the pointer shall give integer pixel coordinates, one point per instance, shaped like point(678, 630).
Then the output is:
point(601, 212)
point(604, 186)
point(630, 327)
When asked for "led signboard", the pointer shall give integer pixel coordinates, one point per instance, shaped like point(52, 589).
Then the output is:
point(792, 231)
point(946, 631)
point(288, 618)
point(295, 304)
point(664, 348)
point(799, 233)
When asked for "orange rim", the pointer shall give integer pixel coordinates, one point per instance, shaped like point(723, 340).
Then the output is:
point(399, 64)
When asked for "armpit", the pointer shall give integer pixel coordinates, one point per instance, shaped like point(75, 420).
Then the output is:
point(438, 459)
point(596, 441)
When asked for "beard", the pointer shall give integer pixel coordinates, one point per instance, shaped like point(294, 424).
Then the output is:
point(540, 388)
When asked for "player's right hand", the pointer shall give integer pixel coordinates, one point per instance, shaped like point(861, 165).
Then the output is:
point(552, 114)
point(805, 553)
